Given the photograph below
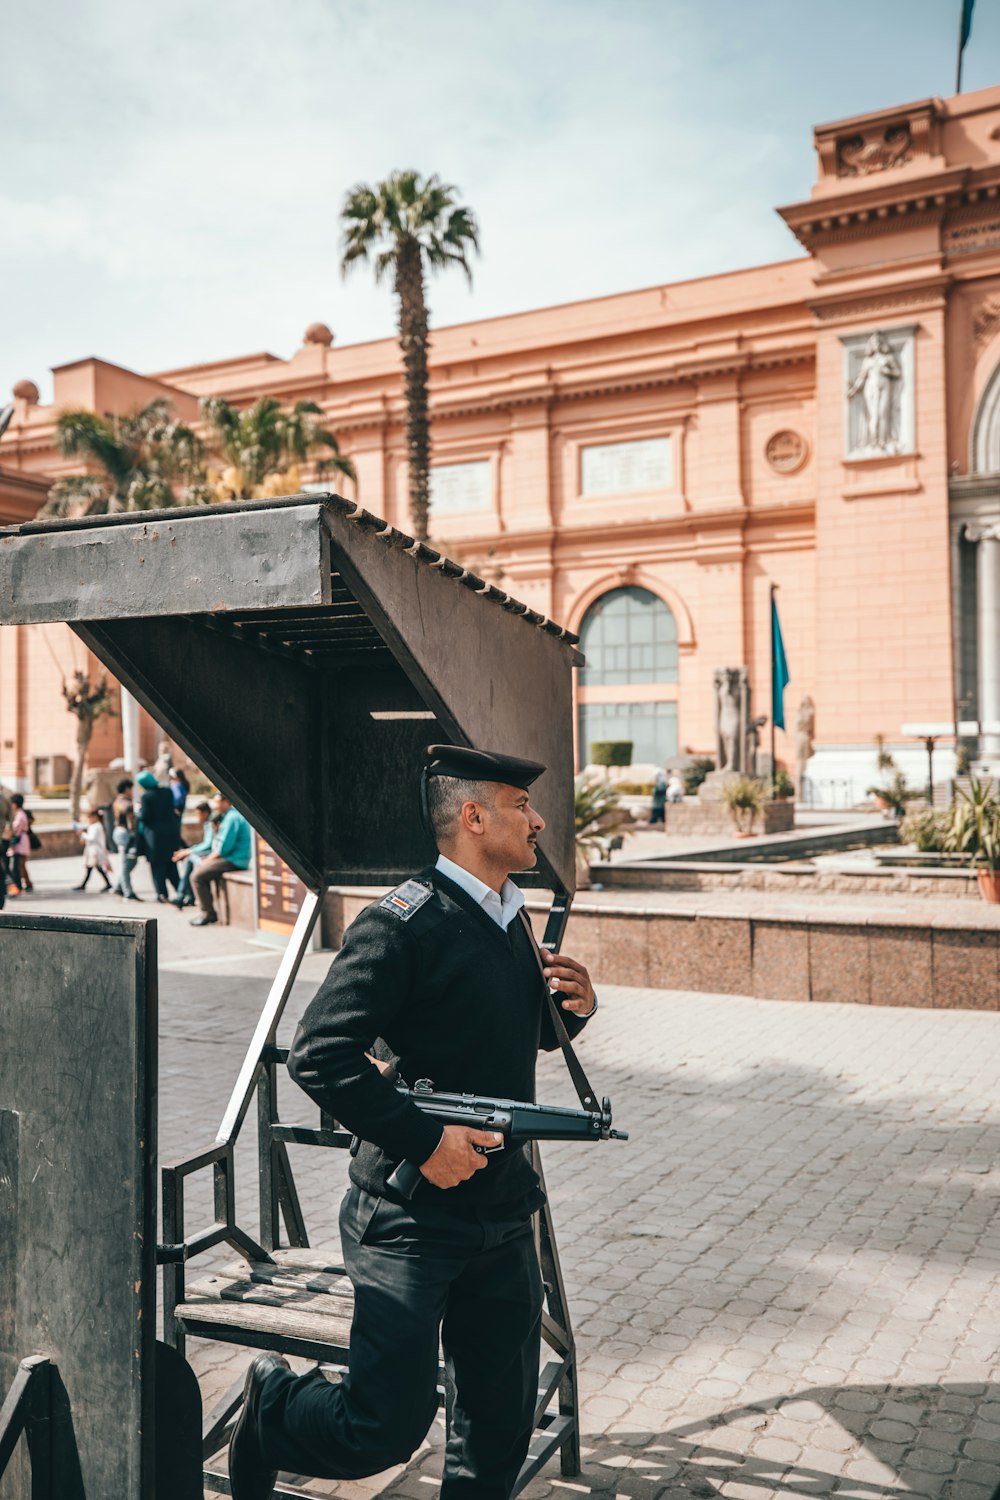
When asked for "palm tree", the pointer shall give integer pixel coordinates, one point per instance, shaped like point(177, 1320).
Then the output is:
point(399, 224)
point(264, 445)
point(146, 460)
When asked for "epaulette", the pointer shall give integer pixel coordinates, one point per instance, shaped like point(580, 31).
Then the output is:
point(407, 899)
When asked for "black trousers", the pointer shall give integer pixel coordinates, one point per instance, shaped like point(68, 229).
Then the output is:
point(418, 1273)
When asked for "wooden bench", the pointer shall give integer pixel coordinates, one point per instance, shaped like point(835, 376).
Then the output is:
point(297, 1300)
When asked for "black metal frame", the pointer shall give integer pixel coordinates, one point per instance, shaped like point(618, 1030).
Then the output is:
point(278, 1201)
point(27, 1409)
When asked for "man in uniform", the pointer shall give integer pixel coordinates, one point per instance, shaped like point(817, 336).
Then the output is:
point(443, 976)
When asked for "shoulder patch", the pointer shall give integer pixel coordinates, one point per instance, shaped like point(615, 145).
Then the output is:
point(406, 899)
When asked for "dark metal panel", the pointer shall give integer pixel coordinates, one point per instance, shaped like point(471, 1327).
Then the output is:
point(78, 1066)
point(250, 719)
point(504, 684)
point(158, 565)
point(372, 804)
point(264, 638)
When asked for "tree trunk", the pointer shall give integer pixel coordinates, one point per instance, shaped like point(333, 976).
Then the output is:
point(84, 733)
point(413, 342)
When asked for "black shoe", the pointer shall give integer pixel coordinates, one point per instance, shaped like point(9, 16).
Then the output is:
point(133, 897)
point(248, 1478)
point(204, 921)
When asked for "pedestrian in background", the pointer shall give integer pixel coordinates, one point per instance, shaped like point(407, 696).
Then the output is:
point(95, 850)
point(125, 837)
point(159, 832)
point(675, 788)
point(658, 810)
point(230, 851)
point(6, 834)
point(187, 859)
point(180, 789)
point(19, 846)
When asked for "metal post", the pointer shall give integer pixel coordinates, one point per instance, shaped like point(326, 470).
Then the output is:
point(770, 626)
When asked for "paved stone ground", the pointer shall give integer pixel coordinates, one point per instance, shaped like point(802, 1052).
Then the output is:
point(784, 1284)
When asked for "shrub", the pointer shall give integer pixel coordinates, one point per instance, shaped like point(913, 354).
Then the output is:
point(634, 788)
point(597, 817)
point(611, 752)
point(927, 831)
point(694, 773)
point(53, 791)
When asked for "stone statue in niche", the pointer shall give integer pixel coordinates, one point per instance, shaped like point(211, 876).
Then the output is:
point(877, 384)
point(805, 729)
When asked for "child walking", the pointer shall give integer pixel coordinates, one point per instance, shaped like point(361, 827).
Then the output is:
point(95, 851)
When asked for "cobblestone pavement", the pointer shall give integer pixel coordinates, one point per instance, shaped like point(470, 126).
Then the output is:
point(784, 1284)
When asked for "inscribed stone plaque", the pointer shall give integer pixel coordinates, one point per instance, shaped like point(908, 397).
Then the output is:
point(78, 1267)
point(786, 451)
point(624, 468)
point(460, 487)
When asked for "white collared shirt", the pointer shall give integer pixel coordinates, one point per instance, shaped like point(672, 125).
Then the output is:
point(502, 907)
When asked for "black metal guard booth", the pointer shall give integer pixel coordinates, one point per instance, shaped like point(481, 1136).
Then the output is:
point(303, 652)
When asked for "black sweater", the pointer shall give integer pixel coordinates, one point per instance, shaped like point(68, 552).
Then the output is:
point(457, 1000)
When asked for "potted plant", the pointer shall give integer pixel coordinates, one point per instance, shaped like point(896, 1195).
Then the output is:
point(744, 796)
point(975, 835)
point(784, 786)
point(888, 777)
point(895, 795)
point(599, 818)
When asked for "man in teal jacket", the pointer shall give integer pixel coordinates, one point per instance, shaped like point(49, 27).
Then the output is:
point(230, 851)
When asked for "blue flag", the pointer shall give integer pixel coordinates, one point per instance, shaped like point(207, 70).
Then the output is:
point(779, 670)
point(967, 8)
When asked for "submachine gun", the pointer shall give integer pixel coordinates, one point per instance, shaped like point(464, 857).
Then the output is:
point(517, 1122)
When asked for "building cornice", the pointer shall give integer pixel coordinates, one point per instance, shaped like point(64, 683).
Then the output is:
point(839, 304)
point(886, 203)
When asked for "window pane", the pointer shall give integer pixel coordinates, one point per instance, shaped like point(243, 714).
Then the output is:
point(652, 728)
point(629, 621)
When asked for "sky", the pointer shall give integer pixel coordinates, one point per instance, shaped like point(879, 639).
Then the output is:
point(171, 177)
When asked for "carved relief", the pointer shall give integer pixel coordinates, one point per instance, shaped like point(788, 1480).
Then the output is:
point(875, 151)
point(878, 394)
point(985, 319)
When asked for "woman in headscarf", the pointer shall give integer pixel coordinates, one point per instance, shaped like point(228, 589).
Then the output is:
point(158, 832)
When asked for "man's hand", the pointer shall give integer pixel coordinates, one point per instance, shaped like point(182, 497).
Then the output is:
point(454, 1159)
point(571, 980)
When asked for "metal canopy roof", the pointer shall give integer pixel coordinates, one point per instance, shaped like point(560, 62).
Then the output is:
point(303, 652)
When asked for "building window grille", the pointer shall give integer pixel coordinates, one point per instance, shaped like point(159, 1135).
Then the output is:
point(628, 636)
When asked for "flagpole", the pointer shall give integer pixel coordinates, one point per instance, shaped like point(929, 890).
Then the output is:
point(961, 31)
point(774, 770)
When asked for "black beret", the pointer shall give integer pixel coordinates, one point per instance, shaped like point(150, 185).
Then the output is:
point(481, 765)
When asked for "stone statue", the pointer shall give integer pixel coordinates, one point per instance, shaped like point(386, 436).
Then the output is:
point(875, 384)
point(728, 719)
point(805, 729)
point(731, 688)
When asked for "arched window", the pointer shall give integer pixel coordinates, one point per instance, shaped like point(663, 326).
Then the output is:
point(629, 637)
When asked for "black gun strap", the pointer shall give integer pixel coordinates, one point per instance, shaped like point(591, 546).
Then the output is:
point(581, 1083)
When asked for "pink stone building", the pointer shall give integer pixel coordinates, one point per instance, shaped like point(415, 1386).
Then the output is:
point(643, 466)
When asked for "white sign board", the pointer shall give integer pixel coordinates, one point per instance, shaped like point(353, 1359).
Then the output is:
point(622, 468)
point(461, 487)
